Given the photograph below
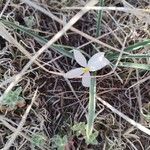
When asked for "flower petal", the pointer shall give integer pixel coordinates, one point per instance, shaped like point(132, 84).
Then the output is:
point(79, 57)
point(86, 79)
point(74, 73)
point(97, 62)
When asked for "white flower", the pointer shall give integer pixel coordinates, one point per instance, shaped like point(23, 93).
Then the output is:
point(96, 62)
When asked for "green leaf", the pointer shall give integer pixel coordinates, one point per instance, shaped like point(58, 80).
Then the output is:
point(91, 108)
point(134, 65)
point(12, 98)
point(131, 48)
point(136, 56)
point(139, 56)
point(138, 45)
point(92, 138)
point(38, 139)
point(41, 40)
point(79, 128)
point(147, 117)
point(30, 21)
point(59, 142)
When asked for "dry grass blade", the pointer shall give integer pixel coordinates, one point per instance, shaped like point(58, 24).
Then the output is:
point(5, 34)
point(139, 98)
point(140, 82)
point(142, 14)
point(5, 7)
point(5, 122)
point(124, 9)
point(22, 122)
point(48, 13)
point(132, 122)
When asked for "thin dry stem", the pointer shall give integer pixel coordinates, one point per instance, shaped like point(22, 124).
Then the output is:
point(132, 122)
point(48, 13)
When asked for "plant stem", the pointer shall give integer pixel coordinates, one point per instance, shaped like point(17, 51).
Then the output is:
point(92, 91)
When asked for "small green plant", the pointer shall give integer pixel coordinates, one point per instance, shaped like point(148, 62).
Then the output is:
point(80, 129)
point(59, 142)
point(38, 139)
point(30, 21)
point(13, 98)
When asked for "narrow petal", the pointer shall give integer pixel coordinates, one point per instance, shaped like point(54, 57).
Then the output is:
point(74, 73)
point(97, 62)
point(86, 79)
point(79, 57)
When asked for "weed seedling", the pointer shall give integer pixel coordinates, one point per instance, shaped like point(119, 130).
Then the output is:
point(13, 100)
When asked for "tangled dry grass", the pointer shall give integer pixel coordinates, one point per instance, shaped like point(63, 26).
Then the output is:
point(35, 38)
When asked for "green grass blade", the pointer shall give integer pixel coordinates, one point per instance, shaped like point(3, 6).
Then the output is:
point(134, 65)
point(138, 45)
point(131, 48)
point(139, 56)
point(41, 40)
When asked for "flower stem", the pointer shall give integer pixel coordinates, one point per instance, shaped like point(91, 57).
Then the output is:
point(91, 108)
point(92, 91)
